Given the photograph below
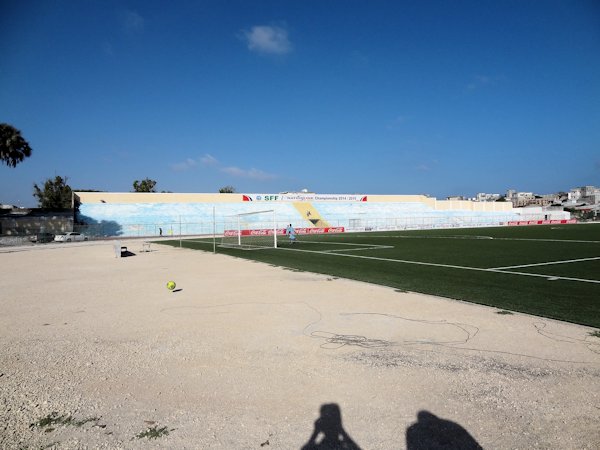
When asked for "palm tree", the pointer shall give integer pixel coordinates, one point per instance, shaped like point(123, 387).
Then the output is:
point(13, 147)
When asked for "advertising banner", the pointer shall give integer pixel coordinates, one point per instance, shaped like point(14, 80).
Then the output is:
point(541, 222)
point(281, 231)
point(303, 197)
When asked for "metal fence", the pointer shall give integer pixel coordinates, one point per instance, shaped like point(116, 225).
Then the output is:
point(189, 227)
point(194, 226)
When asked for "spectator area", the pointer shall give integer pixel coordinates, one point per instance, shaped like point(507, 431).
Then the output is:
point(145, 214)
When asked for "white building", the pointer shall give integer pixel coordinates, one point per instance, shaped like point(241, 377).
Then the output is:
point(483, 197)
point(584, 194)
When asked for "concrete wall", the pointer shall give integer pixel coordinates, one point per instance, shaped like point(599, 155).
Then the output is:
point(35, 222)
point(154, 197)
point(145, 214)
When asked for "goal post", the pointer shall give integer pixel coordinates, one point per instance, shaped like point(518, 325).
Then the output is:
point(253, 230)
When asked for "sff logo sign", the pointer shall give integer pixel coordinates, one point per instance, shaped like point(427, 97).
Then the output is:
point(267, 198)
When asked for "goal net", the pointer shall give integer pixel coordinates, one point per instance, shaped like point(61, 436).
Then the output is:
point(252, 230)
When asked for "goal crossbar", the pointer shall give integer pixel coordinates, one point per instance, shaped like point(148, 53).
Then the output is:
point(252, 230)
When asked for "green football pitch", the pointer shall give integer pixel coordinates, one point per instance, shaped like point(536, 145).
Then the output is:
point(550, 271)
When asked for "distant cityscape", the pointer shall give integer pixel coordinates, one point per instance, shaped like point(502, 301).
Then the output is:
point(581, 201)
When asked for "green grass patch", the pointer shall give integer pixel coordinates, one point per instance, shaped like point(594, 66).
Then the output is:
point(475, 265)
point(153, 433)
point(54, 419)
point(595, 333)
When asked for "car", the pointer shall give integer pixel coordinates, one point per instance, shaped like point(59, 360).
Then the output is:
point(41, 237)
point(70, 236)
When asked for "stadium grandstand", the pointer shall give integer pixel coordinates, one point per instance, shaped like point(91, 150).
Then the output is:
point(152, 214)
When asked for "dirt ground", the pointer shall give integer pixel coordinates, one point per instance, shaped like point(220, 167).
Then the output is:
point(95, 352)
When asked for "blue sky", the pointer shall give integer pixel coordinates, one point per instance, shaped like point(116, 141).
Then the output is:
point(374, 97)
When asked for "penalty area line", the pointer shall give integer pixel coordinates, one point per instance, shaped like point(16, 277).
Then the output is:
point(379, 247)
point(449, 266)
point(547, 263)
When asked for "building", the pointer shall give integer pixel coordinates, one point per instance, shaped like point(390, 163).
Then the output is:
point(145, 214)
point(29, 221)
point(544, 200)
point(521, 199)
point(483, 197)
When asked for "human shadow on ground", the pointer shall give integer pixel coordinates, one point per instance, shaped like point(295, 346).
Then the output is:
point(329, 434)
point(431, 433)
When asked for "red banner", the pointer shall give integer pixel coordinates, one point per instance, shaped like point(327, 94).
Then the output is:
point(282, 232)
point(541, 222)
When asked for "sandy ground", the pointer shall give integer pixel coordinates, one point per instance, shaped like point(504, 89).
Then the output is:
point(248, 356)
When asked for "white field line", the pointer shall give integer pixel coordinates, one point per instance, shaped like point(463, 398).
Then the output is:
point(362, 246)
point(379, 247)
point(565, 241)
point(546, 263)
point(477, 269)
point(347, 243)
point(548, 277)
point(471, 237)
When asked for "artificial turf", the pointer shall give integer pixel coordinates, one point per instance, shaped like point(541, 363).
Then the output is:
point(441, 251)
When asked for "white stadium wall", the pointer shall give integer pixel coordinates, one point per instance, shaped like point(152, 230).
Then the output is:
point(145, 214)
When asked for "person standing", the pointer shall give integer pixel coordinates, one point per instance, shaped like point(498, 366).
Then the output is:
point(291, 233)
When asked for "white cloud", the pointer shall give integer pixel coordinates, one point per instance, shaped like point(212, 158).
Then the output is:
point(481, 81)
point(189, 163)
point(254, 174)
point(267, 39)
point(132, 22)
point(427, 166)
point(396, 123)
point(209, 160)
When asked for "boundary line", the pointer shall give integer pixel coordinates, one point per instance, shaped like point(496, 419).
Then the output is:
point(379, 247)
point(477, 269)
point(477, 238)
point(546, 263)
point(363, 246)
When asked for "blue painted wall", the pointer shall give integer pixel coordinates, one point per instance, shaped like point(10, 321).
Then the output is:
point(145, 219)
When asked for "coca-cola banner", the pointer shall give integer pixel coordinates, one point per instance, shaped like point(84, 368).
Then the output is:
point(282, 231)
point(541, 222)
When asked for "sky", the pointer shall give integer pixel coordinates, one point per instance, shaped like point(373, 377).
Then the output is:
point(441, 98)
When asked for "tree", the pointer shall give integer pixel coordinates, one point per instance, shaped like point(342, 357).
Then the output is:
point(13, 147)
point(146, 185)
point(56, 194)
point(227, 190)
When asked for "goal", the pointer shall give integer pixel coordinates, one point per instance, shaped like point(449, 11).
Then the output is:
point(252, 230)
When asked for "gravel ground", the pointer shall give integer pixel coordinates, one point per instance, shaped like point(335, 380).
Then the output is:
point(95, 352)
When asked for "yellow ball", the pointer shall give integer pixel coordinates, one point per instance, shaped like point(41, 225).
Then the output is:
point(171, 285)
